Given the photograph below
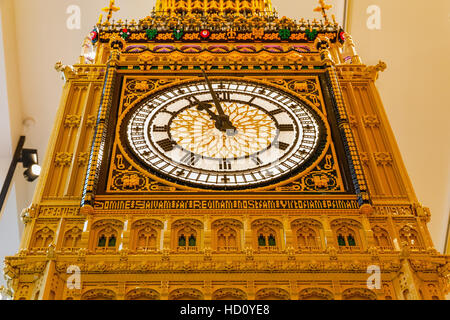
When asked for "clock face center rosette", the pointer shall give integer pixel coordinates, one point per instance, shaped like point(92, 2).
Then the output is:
point(252, 135)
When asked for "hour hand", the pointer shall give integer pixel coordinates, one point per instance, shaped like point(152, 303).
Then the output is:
point(221, 122)
point(205, 106)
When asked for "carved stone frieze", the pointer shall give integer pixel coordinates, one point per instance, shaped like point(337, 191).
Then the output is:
point(383, 158)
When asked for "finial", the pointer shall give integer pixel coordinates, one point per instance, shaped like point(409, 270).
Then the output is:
point(323, 8)
point(100, 20)
point(112, 8)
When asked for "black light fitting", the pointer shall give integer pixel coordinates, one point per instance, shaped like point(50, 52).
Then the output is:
point(29, 159)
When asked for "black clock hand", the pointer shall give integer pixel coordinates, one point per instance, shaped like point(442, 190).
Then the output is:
point(207, 107)
point(223, 122)
point(214, 95)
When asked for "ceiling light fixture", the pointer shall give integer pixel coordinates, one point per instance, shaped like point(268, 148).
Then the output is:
point(30, 161)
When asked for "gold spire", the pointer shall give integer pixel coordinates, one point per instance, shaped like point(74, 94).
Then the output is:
point(112, 8)
point(214, 6)
point(323, 8)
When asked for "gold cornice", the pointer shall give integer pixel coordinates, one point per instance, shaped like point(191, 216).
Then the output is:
point(213, 6)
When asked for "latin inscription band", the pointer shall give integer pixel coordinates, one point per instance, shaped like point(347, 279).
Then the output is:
point(224, 204)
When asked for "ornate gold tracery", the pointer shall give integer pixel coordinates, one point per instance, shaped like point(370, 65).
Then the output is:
point(186, 294)
point(194, 131)
point(307, 234)
point(347, 233)
point(105, 235)
point(72, 238)
point(145, 235)
point(272, 294)
point(229, 294)
point(267, 235)
point(410, 237)
point(187, 235)
point(227, 235)
point(142, 294)
point(315, 294)
point(43, 238)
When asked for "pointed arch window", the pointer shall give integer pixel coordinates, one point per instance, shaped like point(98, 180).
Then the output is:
point(347, 239)
point(226, 235)
point(182, 241)
point(411, 237)
point(272, 241)
point(187, 235)
point(267, 239)
point(145, 235)
point(107, 239)
point(382, 239)
point(102, 241)
point(261, 240)
point(43, 238)
point(307, 233)
point(351, 241)
point(341, 241)
point(72, 238)
point(112, 241)
point(267, 235)
point(192, 241)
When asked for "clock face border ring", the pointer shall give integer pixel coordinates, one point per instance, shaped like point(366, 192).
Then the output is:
point(311, 162)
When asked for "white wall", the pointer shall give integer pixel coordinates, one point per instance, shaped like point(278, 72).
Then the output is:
point(9, 226)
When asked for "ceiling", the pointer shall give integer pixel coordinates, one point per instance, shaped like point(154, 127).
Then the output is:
point(414, 89)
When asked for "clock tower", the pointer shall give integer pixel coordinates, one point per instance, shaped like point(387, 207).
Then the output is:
point(213, 150)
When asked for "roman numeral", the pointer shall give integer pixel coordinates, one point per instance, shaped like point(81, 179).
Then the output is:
point(224, 96)
point(190, 159)
point(167, 145)
point(276, 111)
point(224, 165)
point(160, 128)
point(286, 127)
point(257, 160)
point(282, 146)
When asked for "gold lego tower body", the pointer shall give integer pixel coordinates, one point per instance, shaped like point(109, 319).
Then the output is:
point(107, 223)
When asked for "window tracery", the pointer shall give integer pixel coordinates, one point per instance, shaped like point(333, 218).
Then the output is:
point(43, 238)
point(347, 235)
point(410, 237)
point(307, 234)
point(382, 239)
point(187, 235)
point(106, 235)
point(145, 235)
point(72, 239)
point(227, 235)
point(267, 234)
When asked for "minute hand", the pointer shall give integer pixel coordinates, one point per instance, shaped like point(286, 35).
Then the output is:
point(214, 95)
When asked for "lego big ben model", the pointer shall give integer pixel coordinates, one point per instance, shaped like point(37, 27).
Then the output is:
point(213, 150)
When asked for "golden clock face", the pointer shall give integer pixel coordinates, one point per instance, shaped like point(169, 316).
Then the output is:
point(224, 135)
